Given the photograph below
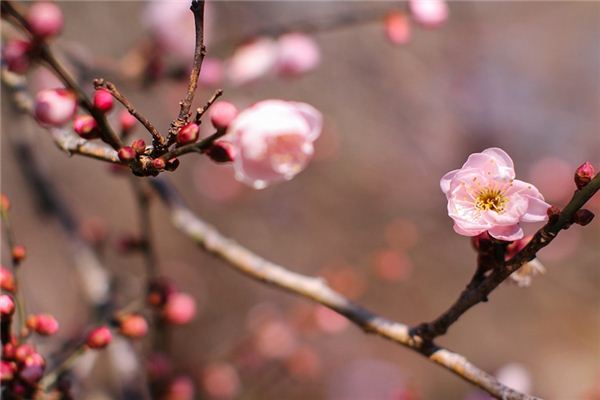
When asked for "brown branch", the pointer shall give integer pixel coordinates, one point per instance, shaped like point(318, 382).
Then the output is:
point(198, 147)
point(472, 296)
point(317, 290)
point(157, 138)
point(197, 8)
point(201, 110)
point(143, 205)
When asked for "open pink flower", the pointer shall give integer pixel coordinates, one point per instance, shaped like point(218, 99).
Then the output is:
point(273, 141)
point(485, 196)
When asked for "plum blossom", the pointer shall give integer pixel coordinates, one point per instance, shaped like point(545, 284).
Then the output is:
point(273, 141)
point(298, 54)
point(252, 61)
point(55, 107)
point(429, 13)
point(485, 196)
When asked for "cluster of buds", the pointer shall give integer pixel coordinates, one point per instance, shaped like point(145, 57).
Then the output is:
point(45, 20)
point(21, 369)
point(173, 306)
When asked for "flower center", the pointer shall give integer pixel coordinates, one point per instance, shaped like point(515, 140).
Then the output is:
point(491, 199)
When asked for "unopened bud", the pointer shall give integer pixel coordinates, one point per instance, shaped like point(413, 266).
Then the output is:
point(222, 113)
point(397, 27)
point(126, 154)
point(43, 324)
point(7, 306)
point(133, 326)
point(159, 164)
point(45, 19)
point(221, 151)
point(180, 309)
point(584, 174)
point(139, 146)
point(15, 54)
point(85, 126)
point(553, 213)
point(54, 107)
point(18, 253)
point(127, 121)
point(583, 217)
point(103, 100)
point(188, 134)
point(7, 280)
point(7, 370)
point(23, 351)
point(99, 338)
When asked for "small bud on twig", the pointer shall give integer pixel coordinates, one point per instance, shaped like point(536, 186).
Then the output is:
point(43, 324)
point(85, 126)
point(18, 254)
point(103, 100)
point(188, 134)
point(99, 338)
point(45, 19)
point(4, 203)
point(7, 306)
point(7, 281)
point(583, 217)
point(221, 151)
point(127, 122)
point(133, 326)
point(139, 146)
point(222, 113)
point(584, 174)
point(126, 154)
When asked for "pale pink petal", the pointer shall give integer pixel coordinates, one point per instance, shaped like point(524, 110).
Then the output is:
point(500, 156)
point(298, 54)
point(467, 232)
point(430, 13)
point(312, 116)
point(508, 233)
point(537, 210)
point(252, 60)
point(446, 179)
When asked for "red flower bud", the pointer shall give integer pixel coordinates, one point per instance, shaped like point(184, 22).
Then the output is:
point(188, 134)
point(180, 309)
point(7, 370)
point(221, 151)
point(18, 253)
point(158, 163)
point(126, 154)
point(85, 126)
point(45, 19)
point(103, 100)
point(43, 324)
point(222, 113)
point(7, 281)
point(584, 174)
point(15, 54)
point(139, 146)
point(99, 338)
point(127, 121)
point(397, 27)
point(7, 306)
point(583, 217)
point(23, 351)
point(133, 326)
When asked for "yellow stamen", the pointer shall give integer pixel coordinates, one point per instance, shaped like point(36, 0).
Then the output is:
point(491, 199)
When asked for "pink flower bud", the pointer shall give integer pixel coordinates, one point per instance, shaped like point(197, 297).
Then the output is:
point(4, 203)
point(583, 217)
point(397, 27)
point(252, 60)
point(45, 19)
point(7, 370)
point(584, 174)
point(127, 121)
point(221, 151)
point(18, 253)
point(188, 134)
point(298, 53)
point(23, 351)
point(99, 338)
point(55, 107)
point(7, 305)
point(103, 100)
point(15, 54)
point(126, 154)
point(273, 141)
point(429, 13)
point(180, 309)
point(7, 281)
point(85, 126)
point(43, 324)
point(133, 326)
point(159, 164)
point(139, 146)
point(222, 113)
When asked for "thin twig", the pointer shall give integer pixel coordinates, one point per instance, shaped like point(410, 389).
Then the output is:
point(197, 8)
point(198, 147)
point(112, 89)
point(201, 110)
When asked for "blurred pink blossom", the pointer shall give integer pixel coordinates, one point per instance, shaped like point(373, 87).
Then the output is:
point(15, 53)
point(485, 196)
point(515, 376)
point(45, 19)
point(298, 53)
point(212, 72)
point(252, 61)
point(430, 13)
point(180, 309)
point(220, 381)
point(55, 107)
point(274, 141)
point(397, 27)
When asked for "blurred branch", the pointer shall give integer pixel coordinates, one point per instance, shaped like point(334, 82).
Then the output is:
point(197, 8)
point(317, 290)
point(474, 294)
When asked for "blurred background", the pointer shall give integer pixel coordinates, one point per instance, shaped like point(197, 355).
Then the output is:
point(367, 213)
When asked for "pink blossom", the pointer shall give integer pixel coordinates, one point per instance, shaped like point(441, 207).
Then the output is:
point(222, 113)
point(430, 13)
point(55, 107)
point(397, 27)
point(180, 309)
point(298, 53)
point(45, 19)
point(212, 72)
point(15, 54)
point(252, 60)
point(274, 141)
point(485, 196)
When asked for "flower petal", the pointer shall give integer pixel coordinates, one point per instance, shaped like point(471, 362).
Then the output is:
point(508, 233)
point(537, 210)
